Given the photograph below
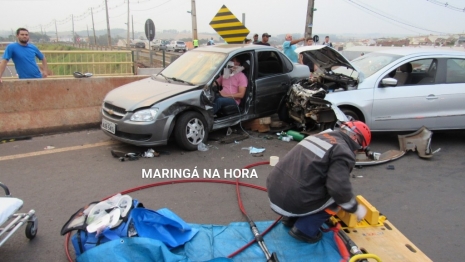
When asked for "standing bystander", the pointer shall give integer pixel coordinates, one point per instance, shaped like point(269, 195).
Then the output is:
point(305, 60)
point(265, 39)
point(23, 55)
point(327, 42)
point(255, 38)
point(289, 47)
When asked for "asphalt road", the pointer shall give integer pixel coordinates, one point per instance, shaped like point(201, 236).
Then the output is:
point(422, 198)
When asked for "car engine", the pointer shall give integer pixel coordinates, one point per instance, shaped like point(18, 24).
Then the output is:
point(332, 82)
point(306, 106)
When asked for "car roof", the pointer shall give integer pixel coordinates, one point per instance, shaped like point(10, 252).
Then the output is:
point(405, 51)
point(232, 48)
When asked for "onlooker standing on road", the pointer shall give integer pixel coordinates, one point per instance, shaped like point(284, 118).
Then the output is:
point(289, 47)
point(211, 42)
point(23, 55)
point(255, 38)
point(305, 60)
point(265, 39)
point(327, 42)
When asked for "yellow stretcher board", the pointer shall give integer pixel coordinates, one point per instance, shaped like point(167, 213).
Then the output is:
point(378, 236)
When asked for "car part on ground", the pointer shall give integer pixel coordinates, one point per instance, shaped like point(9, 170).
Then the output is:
point(419, 141)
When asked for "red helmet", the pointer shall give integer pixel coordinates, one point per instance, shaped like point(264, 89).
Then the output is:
point(361, 130)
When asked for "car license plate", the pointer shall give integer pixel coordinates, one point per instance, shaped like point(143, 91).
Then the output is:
point(109, 126)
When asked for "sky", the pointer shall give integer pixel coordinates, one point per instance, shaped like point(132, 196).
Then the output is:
point(339, 17)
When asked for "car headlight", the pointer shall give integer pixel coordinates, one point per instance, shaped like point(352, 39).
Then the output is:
point(145, 115)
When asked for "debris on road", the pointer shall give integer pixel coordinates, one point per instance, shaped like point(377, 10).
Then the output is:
point(254, 150)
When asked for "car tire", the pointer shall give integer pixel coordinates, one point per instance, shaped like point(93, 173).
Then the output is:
point(283, 114)
point(190, 130)
point(350, 114)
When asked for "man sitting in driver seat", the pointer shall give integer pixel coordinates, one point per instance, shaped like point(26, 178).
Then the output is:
point(234, 84)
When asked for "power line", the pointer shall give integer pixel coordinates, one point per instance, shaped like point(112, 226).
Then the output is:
point(401, 26)
point(394, 20)
point(447, 5)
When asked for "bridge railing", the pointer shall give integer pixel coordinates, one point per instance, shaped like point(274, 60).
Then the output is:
point(98, 62)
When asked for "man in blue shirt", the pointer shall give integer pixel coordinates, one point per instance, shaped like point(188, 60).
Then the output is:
point(23, 55)
point(289, 47)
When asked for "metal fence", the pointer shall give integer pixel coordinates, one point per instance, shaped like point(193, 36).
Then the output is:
point(98, 62)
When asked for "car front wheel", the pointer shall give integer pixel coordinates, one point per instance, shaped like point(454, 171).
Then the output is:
point(190, 130)
point(350, 114)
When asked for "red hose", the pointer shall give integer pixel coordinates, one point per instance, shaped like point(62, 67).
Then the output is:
point(170, 182)
point(339, 243)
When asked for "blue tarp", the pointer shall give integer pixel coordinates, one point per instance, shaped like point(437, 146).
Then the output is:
point(215, 243)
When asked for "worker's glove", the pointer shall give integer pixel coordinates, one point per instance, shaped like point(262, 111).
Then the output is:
point(361, 212)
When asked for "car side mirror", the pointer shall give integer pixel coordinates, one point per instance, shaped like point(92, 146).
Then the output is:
point(389, 82)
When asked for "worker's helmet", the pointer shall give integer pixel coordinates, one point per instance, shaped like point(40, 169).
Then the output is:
point(361, 130)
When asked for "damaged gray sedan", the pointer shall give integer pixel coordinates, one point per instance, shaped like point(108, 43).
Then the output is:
point(178, 102)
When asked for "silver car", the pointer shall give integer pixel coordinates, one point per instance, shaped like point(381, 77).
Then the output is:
point(178, 101)
point(399, 89)
point(176, 46)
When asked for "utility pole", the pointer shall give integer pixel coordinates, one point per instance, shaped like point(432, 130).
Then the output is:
point(108, 25)
point(93, 26)
point(194, 21)
point(132, 23)
point(127, 38)
point(309, 20)
point(243, 19)
point(56, 29)
point(72, 23)
point(88, 36)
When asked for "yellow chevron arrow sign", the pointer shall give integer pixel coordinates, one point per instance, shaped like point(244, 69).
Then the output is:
point(229, 27)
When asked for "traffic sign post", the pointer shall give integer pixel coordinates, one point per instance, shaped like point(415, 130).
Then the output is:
point(229, 27)
point(149, 30)
point(316, 38)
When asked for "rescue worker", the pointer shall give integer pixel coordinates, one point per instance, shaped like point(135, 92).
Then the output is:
point(196, 43)
point(312, 181)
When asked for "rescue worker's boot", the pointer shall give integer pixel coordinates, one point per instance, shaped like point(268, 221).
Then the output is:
point(288, 221)
point(299, 235)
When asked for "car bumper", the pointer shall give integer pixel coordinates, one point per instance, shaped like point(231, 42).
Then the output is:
point(138, 133)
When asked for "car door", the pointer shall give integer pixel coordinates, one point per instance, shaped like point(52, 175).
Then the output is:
point(410, 106)
point(450, 94)
point(271, 81)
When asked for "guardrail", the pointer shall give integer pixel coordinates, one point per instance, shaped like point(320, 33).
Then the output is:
point(100, 63)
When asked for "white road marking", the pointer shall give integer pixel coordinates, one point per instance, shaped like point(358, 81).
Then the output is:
point(57, 150)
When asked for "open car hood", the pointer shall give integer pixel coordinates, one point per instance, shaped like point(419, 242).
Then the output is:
point(325, 57)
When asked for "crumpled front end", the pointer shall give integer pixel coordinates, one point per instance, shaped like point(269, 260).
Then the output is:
point(306, 105)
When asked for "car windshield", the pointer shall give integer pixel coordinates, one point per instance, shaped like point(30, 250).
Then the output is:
point(368, 64)
point(180, 43)
point(195, 67)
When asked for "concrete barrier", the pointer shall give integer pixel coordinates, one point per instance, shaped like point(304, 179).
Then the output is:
point(38, 106)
